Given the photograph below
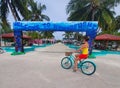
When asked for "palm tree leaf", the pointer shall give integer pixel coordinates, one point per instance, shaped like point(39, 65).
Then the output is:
point(41, 7)
point(45, 17)
point(4, 10)
point(22, 7)
point(107, 17)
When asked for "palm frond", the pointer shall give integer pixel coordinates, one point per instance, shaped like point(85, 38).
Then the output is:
point(45, 17)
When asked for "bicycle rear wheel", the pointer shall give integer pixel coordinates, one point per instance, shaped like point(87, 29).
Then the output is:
point(66, 63)
point(88, 68)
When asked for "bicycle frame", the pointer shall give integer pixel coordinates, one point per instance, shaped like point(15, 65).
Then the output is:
point(72, 58)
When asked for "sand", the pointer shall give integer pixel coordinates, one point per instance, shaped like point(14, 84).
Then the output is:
point(41, 69)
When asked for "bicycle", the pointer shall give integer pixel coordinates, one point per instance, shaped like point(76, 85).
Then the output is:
point(87, 67)
point(1, 51)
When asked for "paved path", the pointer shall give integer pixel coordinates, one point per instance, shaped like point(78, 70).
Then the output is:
point(41, 69)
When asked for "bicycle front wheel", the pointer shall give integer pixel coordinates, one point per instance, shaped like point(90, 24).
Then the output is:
point(66, 63)
point(88, 68)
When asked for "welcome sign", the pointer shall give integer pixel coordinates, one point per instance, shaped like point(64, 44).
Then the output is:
point(75, 26)
point(90, 27)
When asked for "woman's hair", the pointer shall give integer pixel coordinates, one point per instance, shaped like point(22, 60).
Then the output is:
point(86, 38)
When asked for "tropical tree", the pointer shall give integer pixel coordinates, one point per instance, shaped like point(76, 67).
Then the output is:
point(18, 8)
point(77, 36)
point(116, 29)
point(117, 33)
point(5, 28)
point(47, 34)
point(36, 11)
point(68, 35)
point(93, 10)
point(117, 22)
point(34, 35)
point(36, 14)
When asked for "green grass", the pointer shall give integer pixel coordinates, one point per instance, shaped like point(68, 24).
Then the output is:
point(17, 53)
point(92, 56)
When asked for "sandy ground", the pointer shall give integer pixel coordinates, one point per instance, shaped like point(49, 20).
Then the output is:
point(42, 69)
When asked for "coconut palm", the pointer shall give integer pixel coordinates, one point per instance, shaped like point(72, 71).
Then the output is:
point(5, 28)
point(17, 8)
point(47, 34)
point(36, 14)
point(93, 10)
point(77, 36)
point(68, 35)
point(117, 22)
point(36, 11)
point(114, 27)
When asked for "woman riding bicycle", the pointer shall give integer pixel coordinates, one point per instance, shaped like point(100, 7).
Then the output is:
point(84, 49)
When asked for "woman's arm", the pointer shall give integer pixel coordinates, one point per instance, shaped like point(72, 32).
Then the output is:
point(80, 49)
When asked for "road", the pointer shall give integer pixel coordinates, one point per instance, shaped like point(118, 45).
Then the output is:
point(42, 70)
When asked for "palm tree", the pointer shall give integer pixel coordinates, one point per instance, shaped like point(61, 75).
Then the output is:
point(34, 35)
point(47, 34)
point(117, 22)
point(5, 28)
point(37, 15)
point(16, 7)
point(36, 11)
point(77, 36)
point(115, 27)
point(92, 10)
point(68, 35)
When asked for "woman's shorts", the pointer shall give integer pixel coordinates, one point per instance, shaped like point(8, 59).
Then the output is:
point(83, 56)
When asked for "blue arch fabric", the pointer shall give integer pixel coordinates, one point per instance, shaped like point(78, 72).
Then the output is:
point(75, 26)
point(90, 27)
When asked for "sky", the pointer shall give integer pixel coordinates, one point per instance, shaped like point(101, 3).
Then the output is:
point(56, 10)
point(117, 10)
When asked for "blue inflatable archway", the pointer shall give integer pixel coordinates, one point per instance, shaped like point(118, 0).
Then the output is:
point(90, 27)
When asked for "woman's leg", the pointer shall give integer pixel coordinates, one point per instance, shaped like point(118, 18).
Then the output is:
point(76, 63)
